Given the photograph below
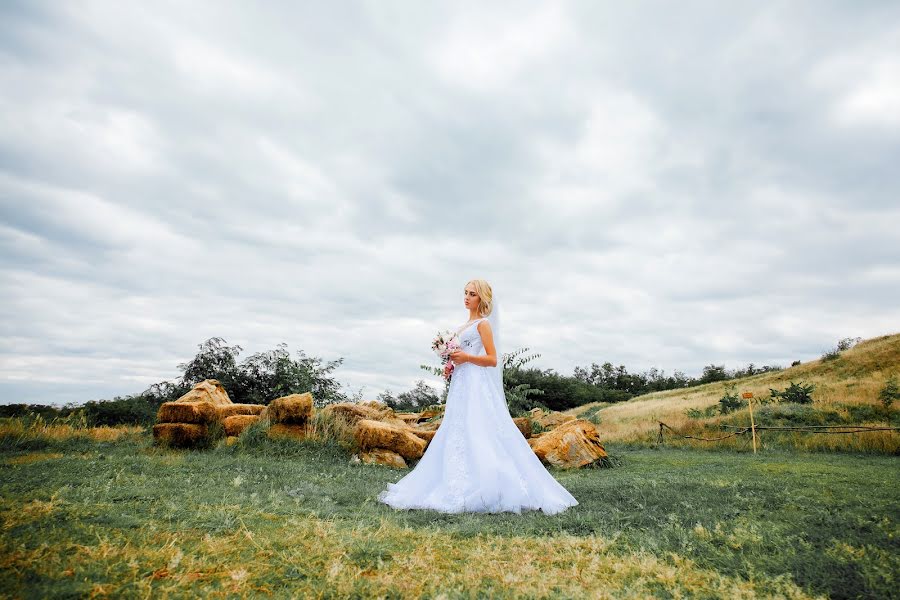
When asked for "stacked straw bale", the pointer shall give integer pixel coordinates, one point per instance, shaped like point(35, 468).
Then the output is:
point(288, 430)
point(294, 409)
point(229, 410)
point(236, 424)
point(290, 416)
point(185, 422)
point(186, 412)
point(209, 390)
point(180, 435)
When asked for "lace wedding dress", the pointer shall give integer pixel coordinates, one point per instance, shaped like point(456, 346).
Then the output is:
point(478, 461)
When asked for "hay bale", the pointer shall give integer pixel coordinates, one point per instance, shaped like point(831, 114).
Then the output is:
point(229, 410)
point(352, 412)
point(409, 418)
point(371, 434)
point(383, 456)
point(294, 409)
point(429, 413)
point(424, 434)
point(208, 390)
point(573, 444)
point(235, 424)
point(429, 425)
point(187, 412)
point(286, 430)
point(179, 435)
point(553, 419)
point(524, 425)
point(375, 404)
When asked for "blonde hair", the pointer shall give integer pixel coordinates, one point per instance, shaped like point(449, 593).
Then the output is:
point(485, 296)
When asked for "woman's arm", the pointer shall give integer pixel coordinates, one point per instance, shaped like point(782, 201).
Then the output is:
point(487, 339)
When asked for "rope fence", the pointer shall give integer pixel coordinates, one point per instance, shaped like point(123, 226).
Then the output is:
point(748, 396)
point(753, 429)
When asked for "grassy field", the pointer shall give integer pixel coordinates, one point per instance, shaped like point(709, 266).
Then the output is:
point(104, 514)
point(846, 391)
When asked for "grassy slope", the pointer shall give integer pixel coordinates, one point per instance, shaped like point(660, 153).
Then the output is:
point(855, 377)
point(124, 519)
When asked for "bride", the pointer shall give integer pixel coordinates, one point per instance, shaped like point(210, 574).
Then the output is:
point(478, 460)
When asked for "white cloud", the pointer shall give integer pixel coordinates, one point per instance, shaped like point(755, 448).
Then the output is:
point(486, 50)
point(865, 83)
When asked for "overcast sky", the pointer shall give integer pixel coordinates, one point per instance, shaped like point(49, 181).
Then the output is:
point(650, 184)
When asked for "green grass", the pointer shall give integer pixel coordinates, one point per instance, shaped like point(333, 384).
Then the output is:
point(125, 519)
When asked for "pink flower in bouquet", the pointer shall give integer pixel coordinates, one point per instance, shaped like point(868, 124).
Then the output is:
point(445, 344)
point(448, 370)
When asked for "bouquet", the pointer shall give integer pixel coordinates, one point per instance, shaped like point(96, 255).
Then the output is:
point(444, 345)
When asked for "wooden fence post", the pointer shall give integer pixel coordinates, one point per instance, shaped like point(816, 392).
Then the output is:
point(749, 397)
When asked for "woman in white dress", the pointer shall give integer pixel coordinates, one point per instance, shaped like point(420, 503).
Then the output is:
point(478, 460)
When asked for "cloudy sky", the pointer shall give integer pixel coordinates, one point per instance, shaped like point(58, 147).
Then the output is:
point(643, 183)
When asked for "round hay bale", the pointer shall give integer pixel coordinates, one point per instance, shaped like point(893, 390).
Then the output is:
point(235, 424)
point(375, 434)
point(286, 430)
point(186, 412)
point(180, 435)
point(383, 456)
point(229, 410)
point(293, 409)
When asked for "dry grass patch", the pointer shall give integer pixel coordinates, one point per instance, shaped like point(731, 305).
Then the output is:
point(33, 457)
point(857, 377)
point(60, 430)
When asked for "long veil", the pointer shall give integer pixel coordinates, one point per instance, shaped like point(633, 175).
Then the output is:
point(496, 373)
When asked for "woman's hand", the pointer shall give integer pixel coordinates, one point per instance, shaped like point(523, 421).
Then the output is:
point(459, 357)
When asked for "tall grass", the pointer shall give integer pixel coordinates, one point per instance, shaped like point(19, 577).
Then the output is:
point(33, 431)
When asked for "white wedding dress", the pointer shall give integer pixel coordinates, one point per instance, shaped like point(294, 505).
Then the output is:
point(478, 461)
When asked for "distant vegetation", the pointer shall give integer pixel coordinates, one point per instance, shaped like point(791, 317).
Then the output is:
point(258, 379)
point(843, 344)
point(264, 376)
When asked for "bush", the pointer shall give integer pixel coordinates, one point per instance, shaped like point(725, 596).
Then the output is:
point(843, 344)
point(890, 392)
point(709, 411)
point(730, 402)
point(797, 393)
point(259, 379)
point(413, 400)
